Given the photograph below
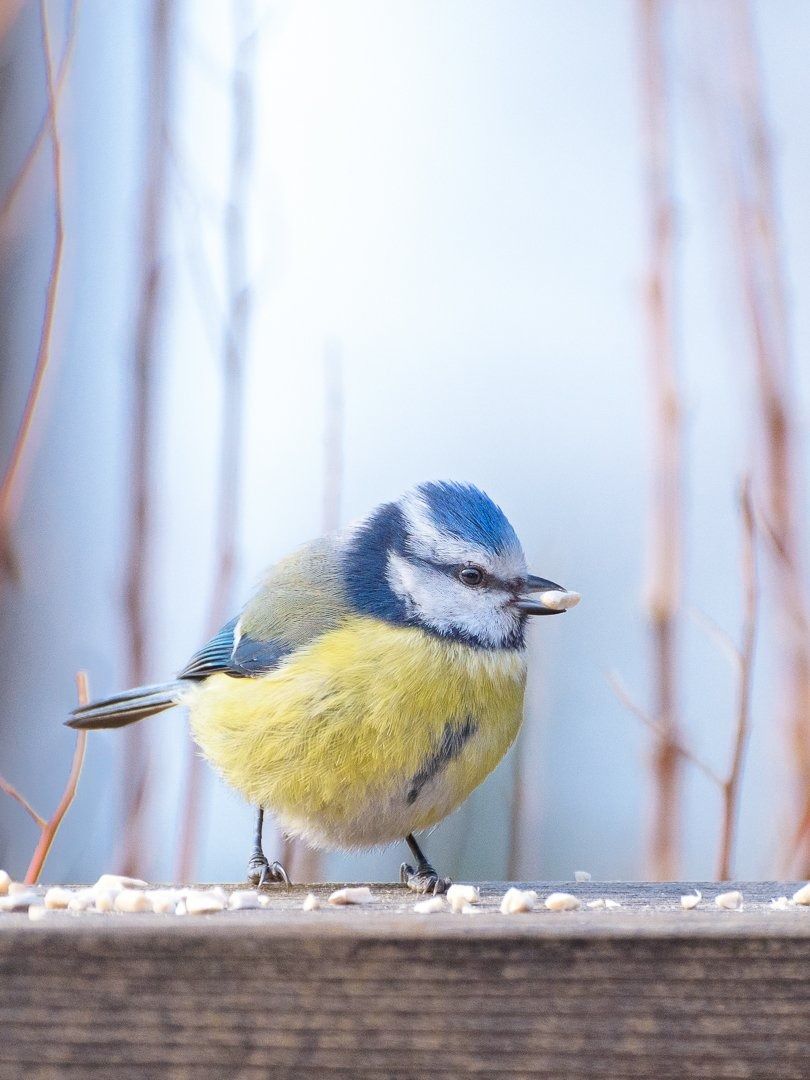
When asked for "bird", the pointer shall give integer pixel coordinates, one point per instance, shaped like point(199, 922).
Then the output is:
point(374, 680)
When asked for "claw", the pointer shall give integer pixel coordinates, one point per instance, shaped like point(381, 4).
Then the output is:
point(280, 874)
point(423, 880)
point(260, 872)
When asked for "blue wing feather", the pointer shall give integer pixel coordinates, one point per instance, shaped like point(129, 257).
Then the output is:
point(248, 658)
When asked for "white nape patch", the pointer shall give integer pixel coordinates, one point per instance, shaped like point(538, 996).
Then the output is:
point(447, 605)
point(427, 541)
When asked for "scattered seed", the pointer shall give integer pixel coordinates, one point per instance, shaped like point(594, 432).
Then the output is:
point(116, 882)
point(130, 900)
point(105, 901)
point(780, 903)
point(730, 901)
point(612, 905)
point(5, 881)
point(359, 895)
point(429, 906)
point(581, 875)
point(802, 895)
point(163, 901)
point(81, 900)
point(692, 900)
point(244, 900)
point(562, 901)
point(516, 901)
point(311, 902)
point(203, 903)
point(459, 895)
point(58, 898)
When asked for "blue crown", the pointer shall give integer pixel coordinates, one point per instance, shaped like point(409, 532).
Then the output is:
point(464, 511)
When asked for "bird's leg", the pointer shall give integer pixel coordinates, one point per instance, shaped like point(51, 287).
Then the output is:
point(259, 869)
point(424, 878)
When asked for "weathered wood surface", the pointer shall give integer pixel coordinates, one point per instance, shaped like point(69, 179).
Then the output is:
point(381, 992)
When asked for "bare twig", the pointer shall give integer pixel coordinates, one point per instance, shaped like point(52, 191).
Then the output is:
point(764, 289)
point(731, 786)
point(159, 86)
point(9, 10)
point(11, 484)
point(718, 635)
point(45, 126)
point(51, 827)
point(21, 799)
point(234, 347)
point(679, 746)
point(664, 552)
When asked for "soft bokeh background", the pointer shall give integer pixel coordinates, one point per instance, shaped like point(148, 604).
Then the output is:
point(446, 241)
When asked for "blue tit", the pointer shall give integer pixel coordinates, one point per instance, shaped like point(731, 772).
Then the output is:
point(373, 681)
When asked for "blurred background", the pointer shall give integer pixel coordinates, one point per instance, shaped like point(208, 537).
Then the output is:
point(265, 264)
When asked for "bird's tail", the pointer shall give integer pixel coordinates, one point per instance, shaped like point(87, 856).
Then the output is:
point(128, 707)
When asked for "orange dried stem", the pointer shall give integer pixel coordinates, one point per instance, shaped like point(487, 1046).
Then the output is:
point(664, 549)
point(731, 786)
point(45, 124)
point(765, 293)
point(10, 485)
point(679, 746)
point(21, 799)
point(34, 871)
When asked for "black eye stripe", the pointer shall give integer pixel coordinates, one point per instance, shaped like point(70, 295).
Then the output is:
point(453, 570)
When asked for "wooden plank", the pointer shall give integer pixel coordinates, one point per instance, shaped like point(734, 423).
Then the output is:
point(380, 992)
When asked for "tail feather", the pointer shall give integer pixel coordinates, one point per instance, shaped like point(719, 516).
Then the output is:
point(127, 707)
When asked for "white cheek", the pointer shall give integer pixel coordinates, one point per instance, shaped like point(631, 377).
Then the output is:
point(446, 605)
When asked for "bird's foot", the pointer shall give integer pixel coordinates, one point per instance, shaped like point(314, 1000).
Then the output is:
point(261, 872)
point(423, 880)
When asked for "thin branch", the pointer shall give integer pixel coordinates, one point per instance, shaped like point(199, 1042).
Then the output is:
point(234, 351)
point(158, 97)
point(9, 10)
point(665, 542)
point(45, 125)
point(764, 289)
point(731, 786)
point(10, 486)
point(679, 746)
point(51, 828)
point(718, 635)
point(21, 799)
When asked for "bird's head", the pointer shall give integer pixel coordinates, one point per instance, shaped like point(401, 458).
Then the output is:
point(444, 557)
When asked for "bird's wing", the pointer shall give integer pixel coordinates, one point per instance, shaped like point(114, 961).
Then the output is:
point(301, 599)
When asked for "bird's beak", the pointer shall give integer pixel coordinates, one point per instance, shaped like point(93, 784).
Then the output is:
point(552, 600)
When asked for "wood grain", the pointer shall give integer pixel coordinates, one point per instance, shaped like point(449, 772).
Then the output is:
point(380, 992)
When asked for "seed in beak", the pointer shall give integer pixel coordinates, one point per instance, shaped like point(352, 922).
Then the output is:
point(559, 601)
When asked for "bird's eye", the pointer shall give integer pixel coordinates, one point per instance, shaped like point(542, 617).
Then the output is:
point(471, 575)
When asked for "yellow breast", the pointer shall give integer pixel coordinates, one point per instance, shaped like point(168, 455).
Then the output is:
point(367, 734)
